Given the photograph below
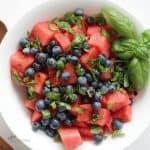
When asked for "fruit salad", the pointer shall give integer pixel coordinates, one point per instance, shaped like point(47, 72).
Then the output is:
point(81, 74)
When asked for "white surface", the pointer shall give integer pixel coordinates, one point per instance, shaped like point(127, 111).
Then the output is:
point(20, 7)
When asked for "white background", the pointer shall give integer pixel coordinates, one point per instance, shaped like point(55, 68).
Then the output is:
point(12, 10)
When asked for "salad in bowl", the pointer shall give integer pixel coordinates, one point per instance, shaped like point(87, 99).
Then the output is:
point(80, 74)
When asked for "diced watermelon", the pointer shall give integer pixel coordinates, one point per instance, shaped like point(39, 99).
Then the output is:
point(73, 77)
point(84, 26)
point(93, 29)
point(30, 104)
point(63, 41)
point(42, 32)
point(69, 35)
point(85, 133)
point(117, 100)
point(81, 124)
point(105, 117)
point(93, 52)
point(124, 114)
point(85, 61)
point(40, 79)
point(20, 62)
point(36, 116)
point(86, 116)
point(101, 42)
point(70, 137)
point(77, 29)
point(108, 126)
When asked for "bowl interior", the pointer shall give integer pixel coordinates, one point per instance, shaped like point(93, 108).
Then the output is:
point(12, 107)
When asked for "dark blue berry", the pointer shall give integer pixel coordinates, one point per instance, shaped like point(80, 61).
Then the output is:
point(47, 103)
point(104, 89)
point(77, 52)
point(100, 84)
point(51, 63)
point(98, 139)
point(96, 105)
point(74, 60)
point(26, 51)
point(52, 43)
point(85, 100)
point(97, 97)
point(45, 90)
point(61, 116)
point(90, 20)
point(68, 58)
point(45, 122)
point(82, 80)
point(50, 132)
point(65, 75)
point(94, 84)
point(41, 58)
point(111, 88)
point(61, 108)
point(34, 51)
point(102, 59)
point(56, 50)
point(40, 105)
point(54, 124)
point(68, 122)
point(36, 66)
point(55, 89)
point(79, 12)
point(23, 42)
point(117, 125)
point(97, 73)
point(89, 77)
point(36, 126)
point(30, 72)
point(63, 59)
point(107, 63)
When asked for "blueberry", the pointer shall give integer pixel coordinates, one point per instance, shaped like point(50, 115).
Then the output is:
point(41, 58)
point(36, 66)
point(74, 60)
point(47, 103)
point(68, 122)
point(63, 59)
point(85, 100)
point(61, 108)
point(26, 51)
point(52, 44)
point(104, 89)
point(77, 52)
point(82, 80)
point(84, 89)
point(111, 88)
point(107, 63)
point(94, 84)
point(98, 139)
point(30, 72)
point(55, 89)
point(40, 105)
point(34, 51)
point(79, 12)
point(23, 42)
point(61, 116)
point(117, 125)
point(45, 90)
point(96, 105)
point(65, 75)
point(54, 124)
point(45, 122)
point(100, 84)
point(36, 126)
point(68, 58)
point(90, 20)
point(97, 97)
point(89, 77)
point(50, 132)
point(97, 73)
point(102, 59)
point(56, 50)
point(51, 63)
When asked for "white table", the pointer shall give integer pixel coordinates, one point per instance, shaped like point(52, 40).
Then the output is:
point(14, 9)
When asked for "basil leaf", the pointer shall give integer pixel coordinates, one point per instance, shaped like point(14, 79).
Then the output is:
point(120, 22)
point(53, 96)
point(46, 114)
point(67, 106)
point(138, 72)
point(146, 34)
point(31, 92)
point(79, 110)
point(78, 41)
point(79, 70)
point(117, 133)
point(145, 38)
point(100, 20)
point(95, 129)
point(95, 117)
point(17, 78)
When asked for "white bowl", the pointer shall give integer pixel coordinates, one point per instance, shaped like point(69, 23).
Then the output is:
point(12, 108)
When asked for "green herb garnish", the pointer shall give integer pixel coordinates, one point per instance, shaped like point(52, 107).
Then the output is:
point(95, 129)
point(79, 110)
point(48, 83)
point(17, 78)
point(67, 106)
point(31, 92)
point(53, 104)
point(95, 117)
point(53, 96)
point(51, 27)
point(100, 20)
point(109, 105)
point(79, 70)
point(46, 114)
point(118, 134)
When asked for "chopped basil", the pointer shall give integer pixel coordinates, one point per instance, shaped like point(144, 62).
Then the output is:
point(35, 43)
point(57, 137)
point(60, 65)
point(53, 104)
point(126, 80)
point(95, 117)
point(17, 78)
point(100, 20)
point(53, 95)
point(109, 105)
point(117, 134)
point(79, 70)
point(67, 106)
point(31, 92)
point(106, 33)
point(90, 92)
point(26, 79)
point(79, 110)
point(46, 114)
point(48, 83)
point(95, 129)
point(64, 25)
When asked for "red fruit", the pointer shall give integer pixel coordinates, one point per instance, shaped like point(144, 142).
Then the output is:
point(70, 137)
point(36, 116)
point(86, 61)
point(116, 100)
point(42, 31)
point(85, 133)
point(73, 77)
point(108, 127)
point(40, 79)
point(20, 62)
point(106, 76)
point(105, 117)
point(86, 115)
point(81, 124)
point(77, 29)
point(101, 42)
point(63, 41)
point(124, 114)
point(93, 52)
point(93, 29)
point(30, 104)
point(84, 26)
point(69, 35)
